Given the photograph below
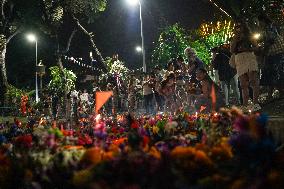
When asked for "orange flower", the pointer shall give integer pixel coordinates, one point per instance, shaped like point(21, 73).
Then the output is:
point(114, 148)
point(155, 153)
point(119, 141)
point(92, 156)
point(69, 147)
point(202, 146)
point(183, 152)
point(108, 155)
point(201, 157)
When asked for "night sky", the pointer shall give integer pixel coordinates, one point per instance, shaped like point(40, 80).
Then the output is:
point(117, 30)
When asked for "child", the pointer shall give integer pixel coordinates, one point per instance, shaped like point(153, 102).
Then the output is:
point(205, 98)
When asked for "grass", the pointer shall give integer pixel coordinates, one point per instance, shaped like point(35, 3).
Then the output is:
point(11, 119)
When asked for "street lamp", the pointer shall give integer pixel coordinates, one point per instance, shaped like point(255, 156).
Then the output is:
point(139, 49)
point(133, 3)
point(257, 36)
point(32, 38)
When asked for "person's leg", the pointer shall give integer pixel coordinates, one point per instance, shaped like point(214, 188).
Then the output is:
point(146, 103)
point(244, 82)
point(225, 89)
point(148, 100)
point(254, 82)
point(151, 103)
point(236, 89)
point(158, 101)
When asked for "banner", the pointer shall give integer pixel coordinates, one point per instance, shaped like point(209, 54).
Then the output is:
point(101, 98)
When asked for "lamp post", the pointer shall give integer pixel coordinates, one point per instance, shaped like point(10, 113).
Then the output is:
point(40, 70)
point(32, 38)
point(133, 3)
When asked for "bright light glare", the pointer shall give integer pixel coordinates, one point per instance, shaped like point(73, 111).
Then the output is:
point(256, 36)
point(138, 49)
point(31, 37)
point(132, 2)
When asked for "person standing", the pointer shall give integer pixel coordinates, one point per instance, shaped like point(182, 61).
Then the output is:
point(246, 65)
point(84, 98)
point(225, 73)
point(168, 90)
point(131, 94)
point(148, 93)
point(273, 51)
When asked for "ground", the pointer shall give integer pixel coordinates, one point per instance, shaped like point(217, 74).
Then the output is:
point(275, 109)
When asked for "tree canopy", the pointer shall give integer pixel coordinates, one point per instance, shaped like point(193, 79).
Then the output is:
point(251, 8)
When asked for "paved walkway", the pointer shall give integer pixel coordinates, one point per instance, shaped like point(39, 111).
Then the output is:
point(276, 128)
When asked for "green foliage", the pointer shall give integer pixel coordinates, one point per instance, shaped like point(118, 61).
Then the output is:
point(62, 81)
point(14, 94)
point(88, 9)
point(202, 51)
point(115, 67)
point(174, 39)
point(172, 42)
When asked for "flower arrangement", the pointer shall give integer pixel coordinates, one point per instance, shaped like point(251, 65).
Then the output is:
point(222, 149)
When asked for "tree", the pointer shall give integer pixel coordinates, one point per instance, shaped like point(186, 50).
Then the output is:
point(61, 81)
point(58, 14)
point(172, 42)
point(248, 9)
point(15, 15)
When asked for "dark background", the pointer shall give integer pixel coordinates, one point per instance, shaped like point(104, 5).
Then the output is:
point(117, 30)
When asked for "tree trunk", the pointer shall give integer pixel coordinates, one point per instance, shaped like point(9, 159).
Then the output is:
point(97, 54)
point(3, 75)
point(60, 54)
point(59, 61)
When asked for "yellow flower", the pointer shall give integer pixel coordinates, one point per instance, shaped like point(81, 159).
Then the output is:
point(155, 129)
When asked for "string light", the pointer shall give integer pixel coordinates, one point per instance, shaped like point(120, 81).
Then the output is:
point(73, 60)
point(222, 29)
point(220, 8)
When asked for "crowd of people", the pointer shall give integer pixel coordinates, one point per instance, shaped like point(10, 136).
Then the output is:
point(237, 71)
point(240, 69)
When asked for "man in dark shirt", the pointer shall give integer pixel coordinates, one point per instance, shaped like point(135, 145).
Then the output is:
point(225, 72)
